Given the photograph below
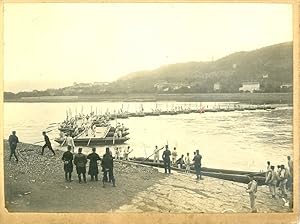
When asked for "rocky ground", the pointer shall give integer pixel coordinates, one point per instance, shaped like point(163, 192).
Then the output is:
point(180, 192)
point(36, 184)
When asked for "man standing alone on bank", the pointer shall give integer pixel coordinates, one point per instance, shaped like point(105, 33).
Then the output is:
point(80, 163)
point(166, 158)
point(252, 189)
point(47, 144)
point(13, 141)
point(197, 163)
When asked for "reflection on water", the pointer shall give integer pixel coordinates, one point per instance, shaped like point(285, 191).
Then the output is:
point(242, 140)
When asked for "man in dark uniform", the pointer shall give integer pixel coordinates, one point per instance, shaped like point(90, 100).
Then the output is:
point(107, 167)
point(93, 168)
point(47, 144)
point(68, 163)
point(13, 141)
point(197, 163)
point(166, 158)
point(80, 163)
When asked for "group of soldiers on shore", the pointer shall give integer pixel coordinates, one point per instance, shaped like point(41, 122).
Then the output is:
point(279, 181)
point(80, 160)
point(170, 159)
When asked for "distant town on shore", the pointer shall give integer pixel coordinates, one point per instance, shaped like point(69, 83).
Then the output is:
point(265, 70)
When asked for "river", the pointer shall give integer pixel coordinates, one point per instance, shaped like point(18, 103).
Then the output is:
point(242, 140)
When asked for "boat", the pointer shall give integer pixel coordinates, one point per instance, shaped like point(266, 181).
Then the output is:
point(111, 133)
point(122, 116)
point(94, 141)
point(211, 110)
point(153, 113)
point(101, 136)
point(172, 112)
point(114, 129)
point(66, 129)
point(137, 114)
point(231, 175)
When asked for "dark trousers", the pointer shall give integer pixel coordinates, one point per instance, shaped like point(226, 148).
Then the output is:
point(110, 176)
point(94, 177)
point(289, 183)
point(81, 170)
point(49, 147)
point(84, 177)
point(68, 176)
point(198, 171)
point(167, 165)
point(13, 152)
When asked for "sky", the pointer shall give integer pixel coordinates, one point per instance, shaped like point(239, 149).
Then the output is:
point(52, 45)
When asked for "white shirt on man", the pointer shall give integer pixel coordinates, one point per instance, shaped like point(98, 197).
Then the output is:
point(70, 142)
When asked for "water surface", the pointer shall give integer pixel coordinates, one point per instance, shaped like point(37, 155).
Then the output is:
point(242, 140)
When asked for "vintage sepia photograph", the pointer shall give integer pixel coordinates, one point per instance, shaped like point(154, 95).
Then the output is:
point(161, 108)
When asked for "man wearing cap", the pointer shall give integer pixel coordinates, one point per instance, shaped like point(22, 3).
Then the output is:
point(156, 155)
point(291, 170)
point(68, 164)
point(93, 168)
point(80, 161)
point(13, 141)
point(271, 180)
point(107, 167)
point(70, 142)
point(166, 158)
point(47, 144)
point(197, 163)
point(283, 177)
point(252, 189)
point(174, 156)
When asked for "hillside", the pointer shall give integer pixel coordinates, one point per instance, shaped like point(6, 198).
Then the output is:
point(271, 66)
point(274, 61)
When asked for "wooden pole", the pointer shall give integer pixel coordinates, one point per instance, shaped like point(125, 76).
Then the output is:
point(89, 141)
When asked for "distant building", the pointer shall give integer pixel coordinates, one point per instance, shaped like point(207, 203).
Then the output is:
point(286, 86)
point(167, 86)
point(217, 86)
point(100, 83)
point(250, 87)
point(161, 85)
point(265, 76)
point(80, 85)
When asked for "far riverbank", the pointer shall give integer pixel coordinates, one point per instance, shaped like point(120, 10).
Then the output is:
point(251, 98)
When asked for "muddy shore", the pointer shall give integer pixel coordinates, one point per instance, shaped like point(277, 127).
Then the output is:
point(36, 184)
